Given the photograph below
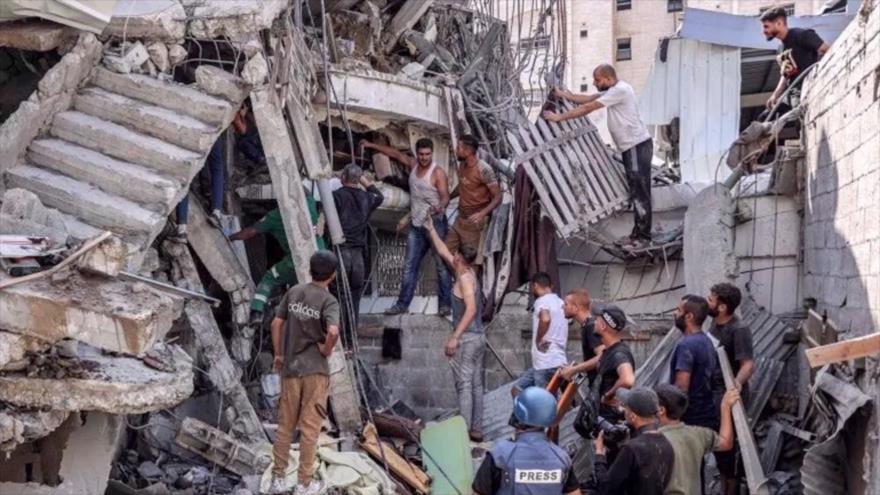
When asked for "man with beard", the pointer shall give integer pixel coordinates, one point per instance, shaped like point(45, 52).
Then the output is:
point(801, 48)
point(693, 363)
point(479, 194)
point(736, 339)
point(429, 195)
point(630, 135)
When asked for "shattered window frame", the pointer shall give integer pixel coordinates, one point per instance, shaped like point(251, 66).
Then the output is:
point(535, 43)
point(622, 54)
point(624, 5)
point(674, 5)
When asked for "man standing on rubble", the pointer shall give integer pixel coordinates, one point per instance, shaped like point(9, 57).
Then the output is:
point(478, 195)
point(549, 336)
point(356, 206)
point(578, 307)
point(467, 346)
point(529, 464)
point(691, 443)
point(304, 331)
point(693, 363)
point(736, 339)
point(630, 135)
point(429, 194)
point(801, 48)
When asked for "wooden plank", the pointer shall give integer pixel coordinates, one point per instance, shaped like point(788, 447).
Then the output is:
point(544, 167)
point(755, 477)
point(564, 159)
point(584, 168)
point(615, 171)
point(550, 142)
point(867, 345)
point(593, 163)
point(549, 207)
point(386, 454)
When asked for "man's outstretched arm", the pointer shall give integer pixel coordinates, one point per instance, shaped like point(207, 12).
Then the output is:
point(574, 113)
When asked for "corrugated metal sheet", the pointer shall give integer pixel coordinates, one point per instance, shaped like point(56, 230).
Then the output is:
point(699, 83)
point(761, 385)
point(741, 31)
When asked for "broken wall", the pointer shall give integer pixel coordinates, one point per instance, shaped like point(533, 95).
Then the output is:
point(842, 227)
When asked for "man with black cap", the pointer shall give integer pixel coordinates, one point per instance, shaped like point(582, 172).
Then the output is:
point(304, 331)
point(529, 464)
point(691, 443)
point(616, 365)
point(478, 195)
point(355, 205)
point(644, 464)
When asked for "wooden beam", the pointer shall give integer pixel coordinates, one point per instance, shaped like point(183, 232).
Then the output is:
point(868, 345)
point(755, 477)
point(383, 452)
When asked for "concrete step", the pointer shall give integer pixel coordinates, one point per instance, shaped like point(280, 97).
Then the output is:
point(173, 96)
point(92, 205)
point(125, 144)
point(168, 125)
point(131, 181)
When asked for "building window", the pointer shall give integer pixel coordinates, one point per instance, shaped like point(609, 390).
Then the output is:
point(674, 5)
point(584, 33)
point(624, 49)
point(585, 87)
point(789, 9)
point(535, 43)
point(624, 4)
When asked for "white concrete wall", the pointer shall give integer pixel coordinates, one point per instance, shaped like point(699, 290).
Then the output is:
point(842, 224)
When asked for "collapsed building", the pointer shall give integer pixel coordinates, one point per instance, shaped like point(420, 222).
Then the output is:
point(126, 360)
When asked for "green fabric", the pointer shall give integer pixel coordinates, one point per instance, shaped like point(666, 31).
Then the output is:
point(446, 444)
point(280, 275)
point(273, 225)
point(690, 444)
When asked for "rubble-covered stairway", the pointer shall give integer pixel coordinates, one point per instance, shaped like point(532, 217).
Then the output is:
point(123, 155)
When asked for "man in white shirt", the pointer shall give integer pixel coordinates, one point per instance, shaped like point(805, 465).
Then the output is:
point(549, 335)
point(630, 135)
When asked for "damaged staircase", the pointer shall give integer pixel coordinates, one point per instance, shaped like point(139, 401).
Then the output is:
point(123, 155)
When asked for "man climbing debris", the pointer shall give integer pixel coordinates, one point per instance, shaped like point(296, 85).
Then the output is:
point(428, 194)
point(801, 48)
point(630, 135)
point(283, 273)
point(479, 195)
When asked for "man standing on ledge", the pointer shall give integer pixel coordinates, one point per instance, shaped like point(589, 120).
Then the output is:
point(304, 332)
point(479, 195)
point(630, 135)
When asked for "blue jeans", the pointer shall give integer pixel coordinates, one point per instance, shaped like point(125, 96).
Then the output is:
point(418, 243)
point(216, 164)
point(535, 378)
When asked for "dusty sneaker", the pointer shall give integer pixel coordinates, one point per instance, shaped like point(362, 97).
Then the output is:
point(179, 235)
point(214, 218)
point(314, 487)
point(397, 309)
point(277, 486)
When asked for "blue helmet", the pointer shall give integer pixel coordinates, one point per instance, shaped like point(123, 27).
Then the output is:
point(535, 406)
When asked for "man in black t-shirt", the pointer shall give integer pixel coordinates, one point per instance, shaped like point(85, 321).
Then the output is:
point(578, 307)
point(801, 48)
point(616, 364)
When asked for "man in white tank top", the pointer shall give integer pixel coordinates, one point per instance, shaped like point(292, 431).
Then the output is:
point(429, 195)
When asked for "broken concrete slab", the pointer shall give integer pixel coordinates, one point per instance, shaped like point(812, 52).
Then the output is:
point(218, 82)
point(14, 347)
point(150, 19)
point(709, 256)
point(407, 17)
point(256, 70)
point(216, 253)
point(159, 56)
point(235, 19)
point(133, 56)
point(184, 99)
point(20, 426)
point(221, 448)
point(108, 258)
point(85, 458)
point(34, 35)
point(115, 385)
point(105, 313)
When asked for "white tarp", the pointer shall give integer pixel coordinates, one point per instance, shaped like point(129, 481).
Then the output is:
point(700, 84)
point(88, 15)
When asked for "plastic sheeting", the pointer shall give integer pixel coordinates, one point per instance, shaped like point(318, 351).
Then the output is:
point(352, 472)
point(88, 15)
point(700, 84)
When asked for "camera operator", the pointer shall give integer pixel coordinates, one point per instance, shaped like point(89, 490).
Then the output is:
point(644, 464)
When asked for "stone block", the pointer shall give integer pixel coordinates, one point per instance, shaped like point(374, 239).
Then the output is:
point(218, 82)
point(133, 57)
point(108, 258)
point(157, 19)
point(116, 385)
point(159, 56)
point(107, 314)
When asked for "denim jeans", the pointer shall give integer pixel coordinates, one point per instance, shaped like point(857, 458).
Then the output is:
point(535, 378)
point(418, 243)
point(216, 164)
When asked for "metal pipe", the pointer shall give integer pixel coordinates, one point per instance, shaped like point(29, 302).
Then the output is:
point(330, 213)
point(173, 289)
